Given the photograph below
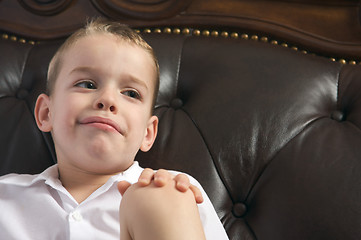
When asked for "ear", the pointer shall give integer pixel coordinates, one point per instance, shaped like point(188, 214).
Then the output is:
point(150, 134)
point(42, 113)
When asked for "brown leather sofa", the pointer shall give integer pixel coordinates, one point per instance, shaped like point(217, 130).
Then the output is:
point(272, 133)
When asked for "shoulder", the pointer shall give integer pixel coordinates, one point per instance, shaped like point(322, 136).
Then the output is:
point(26, 180)
point(17, 179)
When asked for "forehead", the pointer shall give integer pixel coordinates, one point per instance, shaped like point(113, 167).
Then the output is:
point(110, 54)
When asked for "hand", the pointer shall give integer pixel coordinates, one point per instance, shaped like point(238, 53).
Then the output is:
point(160, 179)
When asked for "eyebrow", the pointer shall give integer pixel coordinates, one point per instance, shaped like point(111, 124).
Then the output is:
point(83, 70)
point(129, 78)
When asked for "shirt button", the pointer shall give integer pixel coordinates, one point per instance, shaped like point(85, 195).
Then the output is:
point(76, 216)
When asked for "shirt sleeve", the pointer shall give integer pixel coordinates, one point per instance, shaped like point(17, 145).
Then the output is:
point(213, 228)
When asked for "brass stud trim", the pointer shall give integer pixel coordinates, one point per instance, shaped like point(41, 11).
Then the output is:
point(196, 32)
point(264, 39)
point(167, 30)
point(254, 38)
point(186, 31)
point(224, 34)
point(214, 33)
point(176, 31)
point(204, 32)
point(234, 35)
point(14, 38)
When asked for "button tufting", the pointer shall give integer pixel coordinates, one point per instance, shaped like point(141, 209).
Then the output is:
point(239, 210)
point(337, 115)
point(22, 93)
point(176, 103)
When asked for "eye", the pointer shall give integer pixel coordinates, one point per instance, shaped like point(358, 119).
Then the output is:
point(132, 94)
point(86, 84)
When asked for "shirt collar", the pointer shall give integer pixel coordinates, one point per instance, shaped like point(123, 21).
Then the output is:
point(131, 174)
point(51, 176)
point(27, 180)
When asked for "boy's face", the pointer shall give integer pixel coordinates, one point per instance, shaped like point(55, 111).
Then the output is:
point(100, 110)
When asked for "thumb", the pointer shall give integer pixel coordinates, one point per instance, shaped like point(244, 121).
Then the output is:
point(123, 186)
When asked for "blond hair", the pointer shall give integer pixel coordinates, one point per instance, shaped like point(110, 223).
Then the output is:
point(100, 26)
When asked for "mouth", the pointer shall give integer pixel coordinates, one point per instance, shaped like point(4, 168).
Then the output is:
point(105, 124)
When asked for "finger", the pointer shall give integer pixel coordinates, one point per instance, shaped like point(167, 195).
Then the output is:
point(182, 182)
point(197, 194)
point(161, 177)
point(146, 177)
point(123, 186)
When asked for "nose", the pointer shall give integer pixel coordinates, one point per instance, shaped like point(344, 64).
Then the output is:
point(106, 101)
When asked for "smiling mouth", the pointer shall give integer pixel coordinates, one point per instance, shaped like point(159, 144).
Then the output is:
point(101, 123)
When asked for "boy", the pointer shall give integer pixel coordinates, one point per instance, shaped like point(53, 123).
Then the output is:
point(102, 85)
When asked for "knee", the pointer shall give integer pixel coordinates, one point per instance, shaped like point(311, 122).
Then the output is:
point(156, 200)
point(144, 209)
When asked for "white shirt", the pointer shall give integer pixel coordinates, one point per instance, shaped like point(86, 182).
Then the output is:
point(39, 207)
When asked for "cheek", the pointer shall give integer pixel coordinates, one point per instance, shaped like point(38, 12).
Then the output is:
point(66, 112)
point(62, 124)
point(138, 121)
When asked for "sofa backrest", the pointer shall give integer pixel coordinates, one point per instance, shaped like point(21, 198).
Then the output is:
point(273, 133)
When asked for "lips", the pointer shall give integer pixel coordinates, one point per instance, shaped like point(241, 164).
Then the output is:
point(102, 123)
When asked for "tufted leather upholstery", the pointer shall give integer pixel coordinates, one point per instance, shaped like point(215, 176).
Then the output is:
point(272, 134)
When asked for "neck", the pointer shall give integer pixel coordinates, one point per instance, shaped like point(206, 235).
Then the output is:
point(79, 183)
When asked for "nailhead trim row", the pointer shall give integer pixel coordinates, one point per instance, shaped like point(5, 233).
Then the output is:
point(206, 33)
point(235, 35)
point(17, 39)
